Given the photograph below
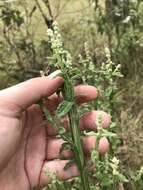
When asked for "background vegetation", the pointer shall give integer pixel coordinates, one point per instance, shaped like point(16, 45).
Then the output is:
point(88, 27)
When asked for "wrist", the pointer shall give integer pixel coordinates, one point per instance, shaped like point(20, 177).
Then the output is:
point(13, 182)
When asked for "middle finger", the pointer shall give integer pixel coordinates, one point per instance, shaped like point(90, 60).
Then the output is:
point(87, 122)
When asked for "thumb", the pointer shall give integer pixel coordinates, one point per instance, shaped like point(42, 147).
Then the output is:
point(27, 93)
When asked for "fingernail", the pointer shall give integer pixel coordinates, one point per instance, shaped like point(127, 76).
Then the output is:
point(55, 74)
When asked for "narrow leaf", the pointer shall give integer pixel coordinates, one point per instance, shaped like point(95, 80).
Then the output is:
point(65, 146)
point(61, 130)
point(49, 117)
point(64, 108)
point(69, 164)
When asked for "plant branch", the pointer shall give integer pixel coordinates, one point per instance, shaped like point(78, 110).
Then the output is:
point(12, 45)
point(47, 21)
point(48, 5)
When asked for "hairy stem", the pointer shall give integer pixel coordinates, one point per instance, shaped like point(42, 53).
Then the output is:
point(75, 132)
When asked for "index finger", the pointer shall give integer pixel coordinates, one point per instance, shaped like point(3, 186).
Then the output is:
point(25, 94)
point(83, 94)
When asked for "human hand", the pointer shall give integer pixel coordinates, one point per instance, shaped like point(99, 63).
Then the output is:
point(28, 145)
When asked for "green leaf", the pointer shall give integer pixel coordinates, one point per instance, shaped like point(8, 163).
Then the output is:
point(64, 108)
point(75, 74)
point(94, 155)
point(49, 117)
point(67, 137)
point(122, 178)
point(69, 164)
point(65, 146)
point(106, 133)
point(106, 182)
point(61, 130)
point(83, 110)
point(113, 125)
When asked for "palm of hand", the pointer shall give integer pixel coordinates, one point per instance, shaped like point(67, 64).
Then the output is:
point(26, 147)
point(25, 144)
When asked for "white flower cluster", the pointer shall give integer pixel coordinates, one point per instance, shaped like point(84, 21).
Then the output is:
point(115, 165)
point(88, 56)
point(88, 65)
point(62, 56)
point(55, 38)
point(110, 69)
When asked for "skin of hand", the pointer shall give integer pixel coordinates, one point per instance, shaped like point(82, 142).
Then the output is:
point(28, 144)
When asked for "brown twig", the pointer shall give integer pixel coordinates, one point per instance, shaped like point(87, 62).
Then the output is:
point(63, 7)
point(78, 11)
point(47, 21)
point(48, 5)
point(12, 45)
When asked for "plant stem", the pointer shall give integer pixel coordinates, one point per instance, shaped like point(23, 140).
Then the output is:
point(75, 132)
point(63, 63)
point(79, 156)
